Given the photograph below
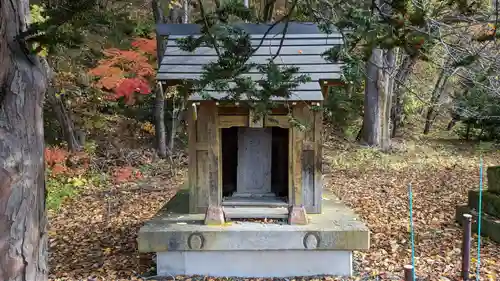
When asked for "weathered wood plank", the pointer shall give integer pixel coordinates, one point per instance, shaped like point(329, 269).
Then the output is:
point(192, 165)
point(308, 145)
point(257, 202)
point(230, 109)
point(276, 41)
point(228, 121)
point(254, 76)
point(308, 188)
point(291, 149)
point(202, 180)
point(254, 161)
point(281, 121)
point(298, 141)
point(303, 59)
point(271, 50)
point(318, 169)
point(191, 68)
point(302, 96)
point(255, 212)
point(293, 30)
point(209, 112)
point(255, 121)
point(202, 146)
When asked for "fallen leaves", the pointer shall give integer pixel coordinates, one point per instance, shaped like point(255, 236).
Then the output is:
point(379, 193)
point(94, 235)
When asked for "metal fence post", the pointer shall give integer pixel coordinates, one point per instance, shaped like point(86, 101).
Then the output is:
point(408, 269)
point(467, 222)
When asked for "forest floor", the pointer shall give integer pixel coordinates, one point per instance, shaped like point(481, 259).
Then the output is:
point(93, 235)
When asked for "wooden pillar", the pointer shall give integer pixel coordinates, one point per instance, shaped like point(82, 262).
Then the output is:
point(305, 159)
point(204, 144)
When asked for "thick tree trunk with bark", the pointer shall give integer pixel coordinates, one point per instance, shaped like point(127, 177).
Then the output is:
point(23, 82)
point(371, 119)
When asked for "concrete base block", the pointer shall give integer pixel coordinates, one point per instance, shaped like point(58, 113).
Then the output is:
point(490, 226)
point(214, 216)
point(297, 215)
point(490, 202)
point(254, 264)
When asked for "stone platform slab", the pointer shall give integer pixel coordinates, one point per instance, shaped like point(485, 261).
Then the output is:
point(174, 229)
point(255, 264)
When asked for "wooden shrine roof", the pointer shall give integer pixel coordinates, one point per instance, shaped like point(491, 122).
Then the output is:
point(302, 46)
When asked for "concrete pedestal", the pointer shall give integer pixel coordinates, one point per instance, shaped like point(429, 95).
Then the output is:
point(255, 264)
point(186, 246)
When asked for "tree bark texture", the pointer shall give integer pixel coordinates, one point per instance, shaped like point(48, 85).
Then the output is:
point(402, 76)
point(159, 108)
point(389, 63)
point(23, 82)
point(372, 107)
point(160, 130)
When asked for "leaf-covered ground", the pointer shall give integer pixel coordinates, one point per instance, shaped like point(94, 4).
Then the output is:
point(94, 235)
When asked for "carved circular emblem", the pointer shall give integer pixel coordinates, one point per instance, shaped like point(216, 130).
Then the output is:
point(196, 241)
point(311, 240)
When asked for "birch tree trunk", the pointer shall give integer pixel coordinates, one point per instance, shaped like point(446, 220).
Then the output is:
point(23, 82)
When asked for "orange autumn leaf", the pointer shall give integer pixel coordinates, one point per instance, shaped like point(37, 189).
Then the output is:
point(105, 70)
point(129, 86)
point(109, 82)
point(148, 46)
point(111, 52)
point(143, 70)
point(132, 56)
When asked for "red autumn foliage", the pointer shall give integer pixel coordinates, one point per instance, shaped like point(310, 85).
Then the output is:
point(146, 45)
point(115, 70)
point(55, 155)
point(132, 85)
point(57, 160)
point(126, 174)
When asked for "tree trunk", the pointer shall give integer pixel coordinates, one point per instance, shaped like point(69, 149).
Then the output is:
point(452, 123)
point(399, 90)
point(435, 96)
point(159, 108)
point(372, 107)
point(23, 82)
point(67, 127)
point(389, 62)
point(160, 131)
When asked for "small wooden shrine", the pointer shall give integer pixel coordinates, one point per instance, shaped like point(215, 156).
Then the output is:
point(240, 167)
point(243, 167)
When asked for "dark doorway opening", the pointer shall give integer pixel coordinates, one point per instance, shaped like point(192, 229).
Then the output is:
point(279, 161)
